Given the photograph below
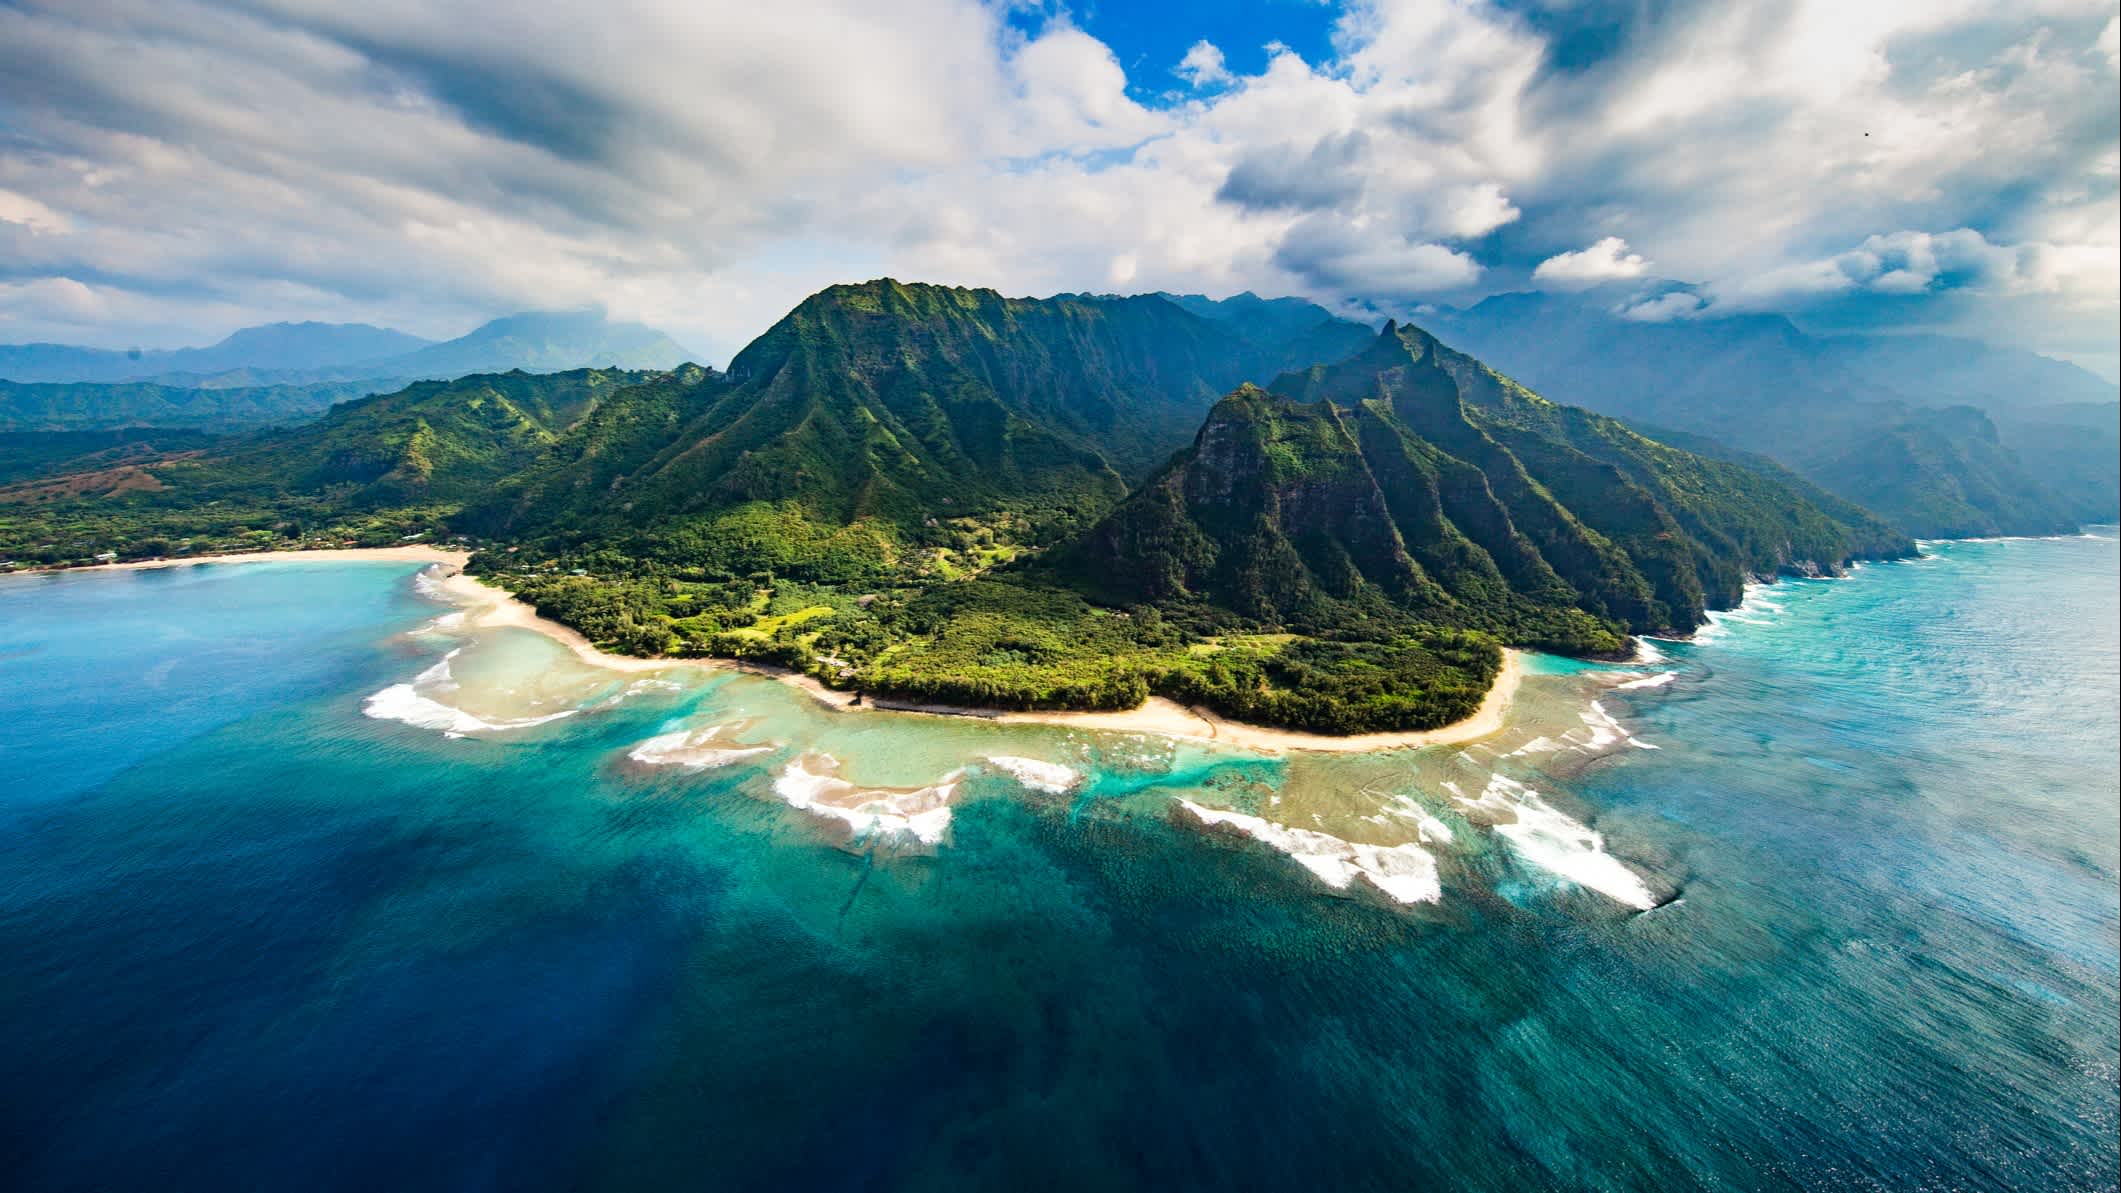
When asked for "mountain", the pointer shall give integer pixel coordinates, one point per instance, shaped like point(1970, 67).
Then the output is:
point(375, 469)
point(293, 346)
point(282, 374)
point(91, 406)
point(542, 342)
point(1412, 482)
point(1927, 431)
point(949, 496)
point(272, 346)
point(335, 361)
point(1298, 329)
point(25, 455)
point(892, 408)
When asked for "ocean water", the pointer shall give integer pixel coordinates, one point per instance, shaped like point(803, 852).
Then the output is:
point(304, 887)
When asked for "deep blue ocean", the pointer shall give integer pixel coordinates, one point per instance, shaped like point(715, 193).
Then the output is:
point(251, 938)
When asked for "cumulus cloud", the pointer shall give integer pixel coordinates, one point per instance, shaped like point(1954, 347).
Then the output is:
point(1606, 261)
point(1379, 264)
point(1663, 308)
point(1203, 66)
point(1914, 262)
point(199, 163)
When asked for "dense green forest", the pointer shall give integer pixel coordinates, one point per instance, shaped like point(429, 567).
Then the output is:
point(953, 497)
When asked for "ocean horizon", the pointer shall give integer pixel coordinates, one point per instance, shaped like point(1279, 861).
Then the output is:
point(310, 885)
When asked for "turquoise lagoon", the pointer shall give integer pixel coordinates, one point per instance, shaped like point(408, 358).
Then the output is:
point(303, 887)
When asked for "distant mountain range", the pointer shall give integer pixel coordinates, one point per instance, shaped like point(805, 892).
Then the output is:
point(1946, 437)
point(285, 372)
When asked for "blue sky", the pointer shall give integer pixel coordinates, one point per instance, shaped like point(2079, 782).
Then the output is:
point(173, 169)
point(1149, 40)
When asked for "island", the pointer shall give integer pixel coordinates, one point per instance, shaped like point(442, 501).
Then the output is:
point(1221, 514)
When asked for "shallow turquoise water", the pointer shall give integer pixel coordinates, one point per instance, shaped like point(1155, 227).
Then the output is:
point(250, 937)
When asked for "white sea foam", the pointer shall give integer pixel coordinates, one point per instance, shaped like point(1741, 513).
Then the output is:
point(1754, 609)
point(922, 812)
point(1648, 681)
point(1557, 843)
point(1647, 652)
point(410, 704)
point(1538, 745)
point(428, 583)
point(693, 749)
point(1404, 873)
point(1605, 730)
point(1038, 776)
point(1426, 827)
point(403, 702)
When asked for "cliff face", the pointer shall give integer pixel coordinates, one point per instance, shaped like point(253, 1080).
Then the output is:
point(1412, 482)
point(1271, 508)
point(898, 406)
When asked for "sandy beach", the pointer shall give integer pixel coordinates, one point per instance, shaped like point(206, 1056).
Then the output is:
point(487, 607)
point(414, 553)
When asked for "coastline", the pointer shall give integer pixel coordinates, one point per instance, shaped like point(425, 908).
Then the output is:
point(488, 607)
point(414, 553)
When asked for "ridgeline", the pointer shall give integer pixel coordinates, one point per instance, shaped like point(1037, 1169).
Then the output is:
point(952, 496)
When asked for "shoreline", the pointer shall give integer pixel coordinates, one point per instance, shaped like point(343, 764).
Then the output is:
point(487, 607)
point(411, 553)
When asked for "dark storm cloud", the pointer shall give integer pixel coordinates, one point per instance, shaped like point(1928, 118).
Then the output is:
point(1329, 174)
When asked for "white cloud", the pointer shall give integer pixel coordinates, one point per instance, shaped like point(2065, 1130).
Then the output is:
point(30, 214)
point(1606, 261)
point(1203, 66)
point(432, 162)
point(1663, 308)
point(1914, 262)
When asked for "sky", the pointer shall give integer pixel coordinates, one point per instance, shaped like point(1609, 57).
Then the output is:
point(171, 170)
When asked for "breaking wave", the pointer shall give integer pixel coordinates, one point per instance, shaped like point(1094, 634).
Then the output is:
point(409, 704)
point(1404, 873)
point(1554, 841)
point(1050, 777)
point(923, 813)
point(692, 749)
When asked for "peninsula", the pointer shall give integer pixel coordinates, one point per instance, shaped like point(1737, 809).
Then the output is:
point(1211, 515)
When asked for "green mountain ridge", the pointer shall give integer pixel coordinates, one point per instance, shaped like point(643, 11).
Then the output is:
point(374, 469)
point(1410, 481)
point(949, 496)
point(890, 407)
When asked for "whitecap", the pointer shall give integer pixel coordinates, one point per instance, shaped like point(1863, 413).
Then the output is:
point(1404, 873)
point(920, 812)
point(1049, 777)
point(402, 702)
point(1558, 843)
point(1605, 730)
point(1426, 827)
point(691, 749)
point(1648, 681)
point(428, 583)
point(407, 703)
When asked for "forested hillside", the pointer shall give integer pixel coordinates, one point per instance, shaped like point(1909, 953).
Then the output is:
point(951, 496)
